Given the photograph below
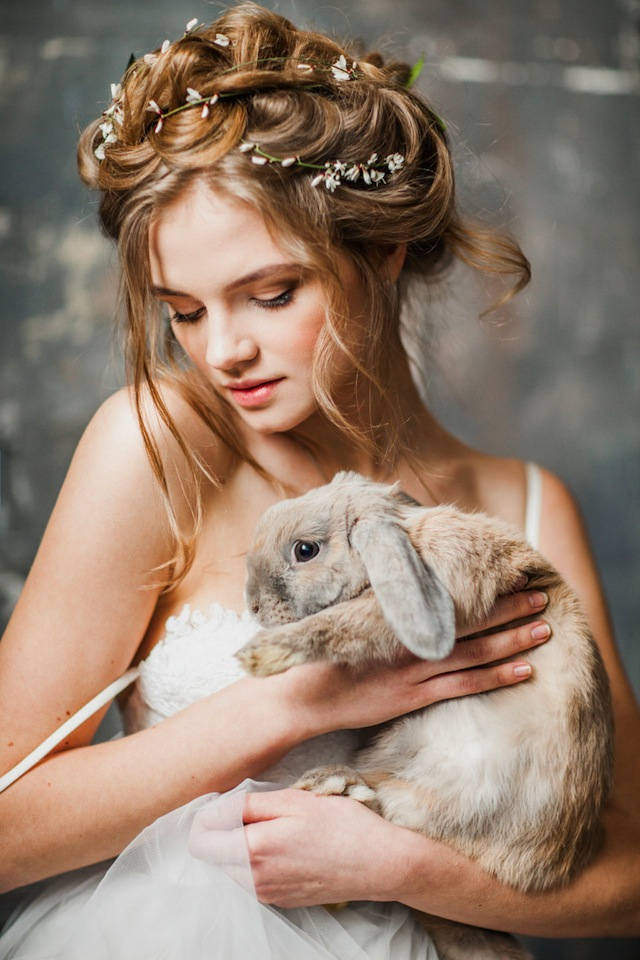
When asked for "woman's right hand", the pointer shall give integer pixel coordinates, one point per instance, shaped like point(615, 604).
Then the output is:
point(324, 696)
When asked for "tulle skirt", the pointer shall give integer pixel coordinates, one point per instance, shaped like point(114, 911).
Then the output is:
point(167, 896)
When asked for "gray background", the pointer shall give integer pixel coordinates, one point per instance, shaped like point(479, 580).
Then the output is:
point(541, 100)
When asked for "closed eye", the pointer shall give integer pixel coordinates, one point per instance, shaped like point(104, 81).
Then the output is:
point(187, 317)
point(280, 301)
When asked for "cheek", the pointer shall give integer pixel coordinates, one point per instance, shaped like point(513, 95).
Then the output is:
point(302, 339)
point(191, 340)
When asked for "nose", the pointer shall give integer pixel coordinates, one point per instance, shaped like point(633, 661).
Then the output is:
point(228, 346)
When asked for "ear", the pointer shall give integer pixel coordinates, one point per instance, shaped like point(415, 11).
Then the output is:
point(414, 602)
point(395, 261)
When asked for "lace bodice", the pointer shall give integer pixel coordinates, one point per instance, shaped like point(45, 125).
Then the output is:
point(194, 658)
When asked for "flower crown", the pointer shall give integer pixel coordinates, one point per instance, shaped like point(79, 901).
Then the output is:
point(373, 172)
point(332, 172)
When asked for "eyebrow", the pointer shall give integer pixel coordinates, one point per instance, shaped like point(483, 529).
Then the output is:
point(239, 282)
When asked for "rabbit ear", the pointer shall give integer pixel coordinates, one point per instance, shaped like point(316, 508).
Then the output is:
point(414, 602)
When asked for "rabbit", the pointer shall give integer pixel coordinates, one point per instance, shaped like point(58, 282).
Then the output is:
point(515, 778)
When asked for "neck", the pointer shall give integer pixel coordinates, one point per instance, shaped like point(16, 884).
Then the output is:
point(423, 440)
point(333, 450)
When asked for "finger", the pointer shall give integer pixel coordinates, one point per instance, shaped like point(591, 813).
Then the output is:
point(512, 607)
point(463, 683)
point(475, 651)
point(269, 805)
point(225, 852)
point(220, 847)
point(223, 812)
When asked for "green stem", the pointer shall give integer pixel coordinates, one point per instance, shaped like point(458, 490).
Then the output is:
point(299, 162)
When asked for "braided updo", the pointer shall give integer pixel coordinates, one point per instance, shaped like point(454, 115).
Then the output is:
point(276, 88)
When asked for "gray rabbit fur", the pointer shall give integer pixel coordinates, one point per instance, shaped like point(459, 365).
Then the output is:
point(515, 778)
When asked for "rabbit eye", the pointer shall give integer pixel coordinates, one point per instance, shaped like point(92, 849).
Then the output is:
point(304, 550)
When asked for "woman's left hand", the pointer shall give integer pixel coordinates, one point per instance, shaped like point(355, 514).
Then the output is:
point(306, 849)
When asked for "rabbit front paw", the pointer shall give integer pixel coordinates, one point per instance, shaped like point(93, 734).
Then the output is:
point(270, 651)
point(338, 781)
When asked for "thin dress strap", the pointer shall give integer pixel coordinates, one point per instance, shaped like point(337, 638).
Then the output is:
point(68, 727)
point(533, 507)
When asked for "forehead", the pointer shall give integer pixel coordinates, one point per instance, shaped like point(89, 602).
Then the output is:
point(207, 227)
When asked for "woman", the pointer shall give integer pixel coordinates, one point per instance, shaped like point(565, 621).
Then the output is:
point(280, 197)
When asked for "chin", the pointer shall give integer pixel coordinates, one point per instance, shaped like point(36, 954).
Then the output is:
point(271, 420)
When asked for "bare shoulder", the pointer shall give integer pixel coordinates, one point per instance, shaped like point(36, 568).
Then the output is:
point(96, 578)
point(500, 489)
point(564, 540)
point(498, 486)
point(116, 424)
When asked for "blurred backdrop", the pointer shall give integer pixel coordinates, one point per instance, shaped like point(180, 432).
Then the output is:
point(541, 100)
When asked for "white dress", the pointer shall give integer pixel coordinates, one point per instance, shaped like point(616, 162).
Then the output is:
point(159, 900)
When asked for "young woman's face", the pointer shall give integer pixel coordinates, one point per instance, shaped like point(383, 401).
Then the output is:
point(244, 313)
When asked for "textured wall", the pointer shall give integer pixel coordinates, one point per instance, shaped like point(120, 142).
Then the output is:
point(541, 99)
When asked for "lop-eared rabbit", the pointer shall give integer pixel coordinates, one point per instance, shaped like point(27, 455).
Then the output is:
point(515, 778)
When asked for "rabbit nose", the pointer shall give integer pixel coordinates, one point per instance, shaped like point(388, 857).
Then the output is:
point(255, 607)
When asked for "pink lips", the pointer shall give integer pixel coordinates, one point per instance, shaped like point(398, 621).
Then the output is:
point(252, 393)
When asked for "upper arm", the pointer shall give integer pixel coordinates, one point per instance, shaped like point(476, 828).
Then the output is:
point(87, 600)
point(564, 541)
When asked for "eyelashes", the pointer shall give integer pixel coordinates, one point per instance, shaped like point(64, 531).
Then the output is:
point(187, 317)
point(282, 300)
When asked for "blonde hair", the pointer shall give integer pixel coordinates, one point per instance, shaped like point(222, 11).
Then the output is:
point(314, 116)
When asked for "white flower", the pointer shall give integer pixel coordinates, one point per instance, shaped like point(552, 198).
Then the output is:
point(150, 58)
point(377, 176)
point(394, 161)
point(158, 126)
point(165, 46)
point(366, 176)
point(154, 106)
point(99, 151)
point(116, 91)
point(317, 179)
point(339, 167)
point(205, 111)
point(222, 40)
point(108, 133)
point(189, 27)
point(339, 69)
point(213, 99)
point(353, 173)
point(288, 161)
point(331, 181)
point(193, 96)
point(260, 161)
point(245, 146)
point(372, 159)
point(306, 67)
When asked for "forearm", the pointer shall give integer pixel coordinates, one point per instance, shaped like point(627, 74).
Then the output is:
point(85, 805)
point(603, 901)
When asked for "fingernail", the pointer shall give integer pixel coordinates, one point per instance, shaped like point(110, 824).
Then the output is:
point(540, 631)
point(522, 670)
point(538, 599)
